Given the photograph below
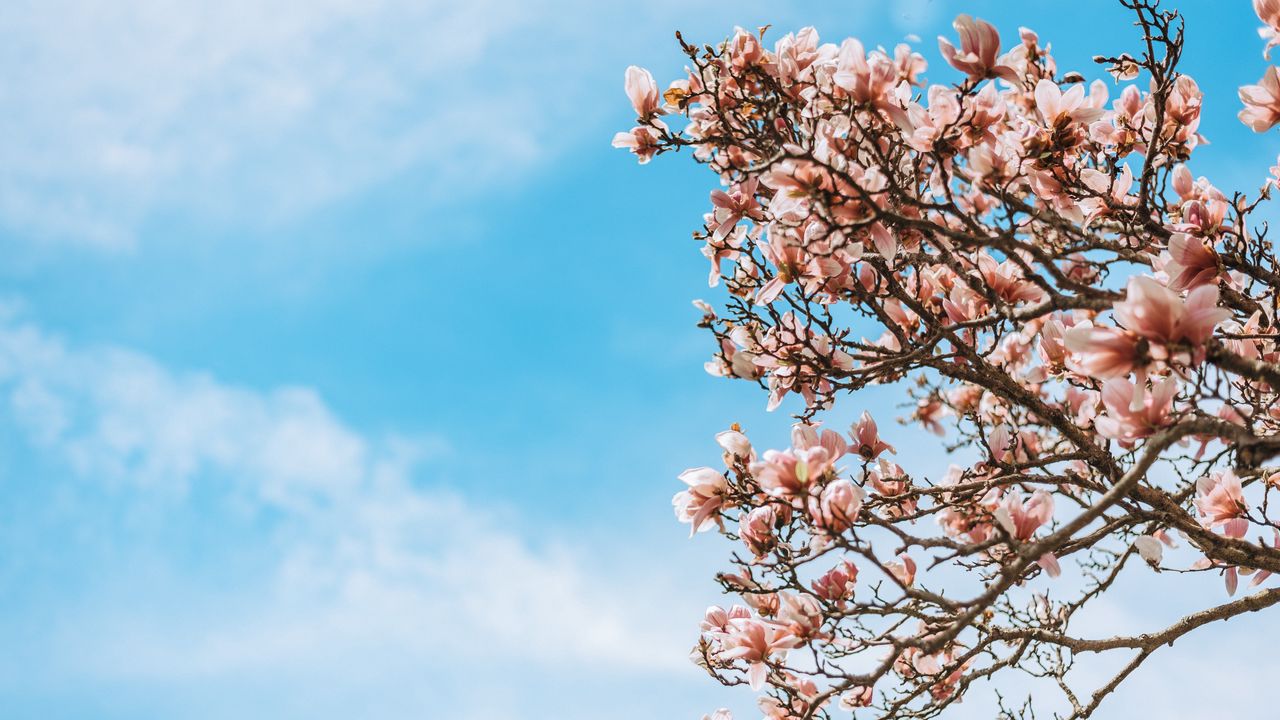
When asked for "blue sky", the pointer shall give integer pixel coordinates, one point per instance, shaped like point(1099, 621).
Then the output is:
point(345, 369)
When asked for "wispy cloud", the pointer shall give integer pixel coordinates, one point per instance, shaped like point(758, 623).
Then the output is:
point(241, 108)
point(370, 571)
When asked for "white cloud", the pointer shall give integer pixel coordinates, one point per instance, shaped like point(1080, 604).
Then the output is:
point(243, 108)
point(369, 572)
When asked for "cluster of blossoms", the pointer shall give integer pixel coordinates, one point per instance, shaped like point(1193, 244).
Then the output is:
point(1035, 263)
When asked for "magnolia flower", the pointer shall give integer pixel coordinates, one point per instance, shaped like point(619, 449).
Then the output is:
point(721, 714)
point(641, 140)
point(836, 509)
point(755, 641)
point(1104, 353)
point(1058, 109)
point(1124, 423)
point(979, 48)
point(642, 91)
point(929, 412)
point(699, 504)
point(1268, 11)
point(866, 436)
point(735, 444)
point(716, 619)
point(1220, 500)
point(837, 584)
point(789, 474)
point(804, 437)
point(801, 613)
point(738, 203)
point(859, 697)
point(1021, 520)
point(1157, 313)
point(903, 571)
point(1151, 549)
point(1189, 262)
point(756, 530)
point(1262, 101)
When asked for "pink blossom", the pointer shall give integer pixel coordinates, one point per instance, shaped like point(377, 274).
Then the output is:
point(642, 91)
point(859, 697)
point(929, 412)
point(979, 50)
point(1157, 313)
point(1059, 109)
point(867, 77)
point(837, 507)
point(732, 206)
point(1190, 262)
point(756, 641)
point(904, 571)
point(800, 613)
point(1220, 500)
point(641, 140)
point(1008, 280)
point(736, 445)
point(805, 436)
point(716, 619)
point(1122, 422)
point(1262, 101)
point(1021, 520)
point(866, 436)
point(1268, 11)
point(837, 584)
point(1105, 352)
point(757, 530)
point(699, 504)
point(789, 474)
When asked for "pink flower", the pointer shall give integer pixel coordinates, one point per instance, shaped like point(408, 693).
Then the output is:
point(837, 584)
point(699, 504)
point(1189, 262)
point(1021, 520)
point(641, 140)
point(1122, 422)
point(642, 91)
point(1220, 500)
point(979, 50)
point(1262, 101)
point(929, 412)
point(721, 714)
point(1268, 11)
point(868, 77)
point(1059, 109)
point(716, 619)
point(1157, 313)
point(788, 474)
point(1105, 352)
point(904, 571)
point(866, 435)
point(836, 509)
point(802, 614)
point(756, 530)
point(738, 203)
point(804, 437)
point(1008, 281)
point(735, 445)
point(756, 641)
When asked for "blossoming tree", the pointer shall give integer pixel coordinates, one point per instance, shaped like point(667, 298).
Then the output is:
point(1088, 323)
